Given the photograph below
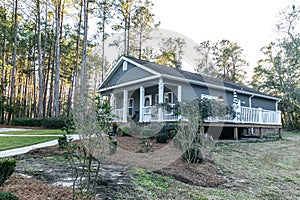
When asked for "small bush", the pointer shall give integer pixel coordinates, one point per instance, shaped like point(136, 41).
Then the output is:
point(193, 155)
point(147, 133)
point(8, 196)
point(7, 168)
point(162, 138)
point(126, 131)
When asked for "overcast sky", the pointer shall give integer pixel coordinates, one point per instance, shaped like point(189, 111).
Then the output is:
point(250, 23)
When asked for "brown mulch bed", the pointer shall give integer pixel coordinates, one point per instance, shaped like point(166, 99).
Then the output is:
point(164, 159)
point(33, 189)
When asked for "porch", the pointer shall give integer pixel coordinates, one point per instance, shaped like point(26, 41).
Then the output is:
point(245, 116)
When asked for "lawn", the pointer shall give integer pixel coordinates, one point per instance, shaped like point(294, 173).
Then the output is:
point(261, 170)
point(10, 142)
point(35, 132)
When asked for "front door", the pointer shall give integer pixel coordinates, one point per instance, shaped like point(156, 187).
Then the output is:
point(147, 108)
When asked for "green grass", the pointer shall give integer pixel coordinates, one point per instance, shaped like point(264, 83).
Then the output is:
point(35, 132)
point(10, 142)
point(261, 170)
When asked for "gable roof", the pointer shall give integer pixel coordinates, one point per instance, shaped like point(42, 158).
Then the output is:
point(193, 78)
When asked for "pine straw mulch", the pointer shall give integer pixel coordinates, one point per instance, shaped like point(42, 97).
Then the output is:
point(28, 188)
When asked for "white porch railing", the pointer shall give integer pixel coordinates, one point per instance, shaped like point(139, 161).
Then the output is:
point(246, 115)
point(150, 113)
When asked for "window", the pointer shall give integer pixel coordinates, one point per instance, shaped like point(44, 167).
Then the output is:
point(130, 106)
point(124, 65)
point(168, 97)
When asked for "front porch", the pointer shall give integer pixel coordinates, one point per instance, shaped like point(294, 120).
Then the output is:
point(246, 116)
point(145, 104)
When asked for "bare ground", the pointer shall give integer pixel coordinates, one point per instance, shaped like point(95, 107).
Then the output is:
point(43, 171)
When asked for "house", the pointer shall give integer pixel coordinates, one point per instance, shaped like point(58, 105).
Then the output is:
point(135, 87)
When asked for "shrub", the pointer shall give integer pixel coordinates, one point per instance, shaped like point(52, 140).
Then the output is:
point(126, 131)
point(51, 123)
point(147, 133)
point(7, 168)
point(162, 138)
point(193, 155)
point(8, 196)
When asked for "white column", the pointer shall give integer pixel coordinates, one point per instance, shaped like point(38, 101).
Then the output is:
point(142, 97)
point(160, 99)
point(179, 93)
point(125, 105)
point(112, 100)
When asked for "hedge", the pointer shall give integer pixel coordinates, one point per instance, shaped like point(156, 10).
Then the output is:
point(51, 123)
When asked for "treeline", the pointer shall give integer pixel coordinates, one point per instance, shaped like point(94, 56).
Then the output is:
point(48, 56)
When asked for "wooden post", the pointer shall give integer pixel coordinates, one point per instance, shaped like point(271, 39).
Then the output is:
point(260, 133)
point(280, 133)
point(235, 133)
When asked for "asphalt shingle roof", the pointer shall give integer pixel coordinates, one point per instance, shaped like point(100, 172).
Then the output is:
point(193, 76)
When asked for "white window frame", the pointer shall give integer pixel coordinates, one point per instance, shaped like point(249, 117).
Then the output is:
point(130, 107)
point(167, 94)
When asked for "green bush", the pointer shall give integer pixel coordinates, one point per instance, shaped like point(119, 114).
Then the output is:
point(7, 196)
point(162, 138)
point(147, 133)
point(126, 131)
point(193, 155)
point(7, 168)
point(51, 123)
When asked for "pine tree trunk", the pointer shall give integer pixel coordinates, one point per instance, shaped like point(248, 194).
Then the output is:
point(40, 63)
point(74, 85)
point(83, 66)
point(57, 60)
point(12, 89)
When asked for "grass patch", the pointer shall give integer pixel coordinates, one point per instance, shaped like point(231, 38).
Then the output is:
point(11, 142)
point(35, 132)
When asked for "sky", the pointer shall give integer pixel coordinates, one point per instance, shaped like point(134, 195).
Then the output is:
point(249, 23)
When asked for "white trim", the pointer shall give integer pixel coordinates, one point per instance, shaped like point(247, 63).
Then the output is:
point(179, 93)
point(217, 87)
point(131, 107)
point(117, 65)
point(160, 99)
point(141, 66)
point(125, 64)
point(129, 83)
point(142, 96)
point(125, 105)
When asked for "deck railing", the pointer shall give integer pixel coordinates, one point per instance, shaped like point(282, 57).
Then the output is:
point(244, 115)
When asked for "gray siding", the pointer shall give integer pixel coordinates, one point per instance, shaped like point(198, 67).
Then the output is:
point(268, 104)
point(131, 74)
